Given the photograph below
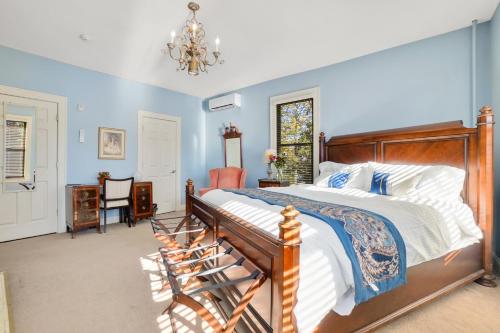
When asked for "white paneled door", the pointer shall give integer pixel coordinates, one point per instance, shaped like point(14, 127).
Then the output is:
point(158, 157)
point(26, 212)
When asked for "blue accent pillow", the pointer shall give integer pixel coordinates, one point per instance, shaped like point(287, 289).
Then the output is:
point(338, 179)
point(379, 183)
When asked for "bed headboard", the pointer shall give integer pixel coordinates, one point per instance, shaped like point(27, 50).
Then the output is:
point(448, 143)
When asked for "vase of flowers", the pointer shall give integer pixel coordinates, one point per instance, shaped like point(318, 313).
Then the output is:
point(102, 176)
point(278, 160)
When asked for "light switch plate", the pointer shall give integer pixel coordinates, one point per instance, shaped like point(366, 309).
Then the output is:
point(82, 135)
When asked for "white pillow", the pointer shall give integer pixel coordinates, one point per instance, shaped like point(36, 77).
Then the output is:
point(360, 176)
point(401, 180)
point(441, 182)
point(432, 181)
point(330, 167)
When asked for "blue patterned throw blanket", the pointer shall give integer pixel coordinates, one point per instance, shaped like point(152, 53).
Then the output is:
point(372, 243)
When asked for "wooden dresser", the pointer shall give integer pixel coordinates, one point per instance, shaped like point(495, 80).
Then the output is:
point(273, 183)
point(142, 197)
point(82, 207)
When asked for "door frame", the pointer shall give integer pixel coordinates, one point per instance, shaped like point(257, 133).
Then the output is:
point(62, 143)
point(146, 114)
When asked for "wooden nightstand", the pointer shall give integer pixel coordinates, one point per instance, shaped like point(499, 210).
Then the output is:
point(142, 197)
point(82, 207)
point(273, 183)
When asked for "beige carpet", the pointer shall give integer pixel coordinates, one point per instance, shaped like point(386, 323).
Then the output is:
point(110, 282)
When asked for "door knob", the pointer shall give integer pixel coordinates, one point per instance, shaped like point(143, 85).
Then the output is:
point(173, 171)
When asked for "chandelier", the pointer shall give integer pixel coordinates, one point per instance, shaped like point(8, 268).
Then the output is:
point(191, 45)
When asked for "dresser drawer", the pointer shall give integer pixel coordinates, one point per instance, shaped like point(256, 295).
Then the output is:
point(83, 216)
point(143, 208)
point(143, 189)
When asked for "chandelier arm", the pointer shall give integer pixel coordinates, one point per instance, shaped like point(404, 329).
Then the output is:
point(216, 59)
point(171, 55)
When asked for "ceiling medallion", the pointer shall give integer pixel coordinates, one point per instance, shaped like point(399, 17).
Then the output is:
point(192, 48)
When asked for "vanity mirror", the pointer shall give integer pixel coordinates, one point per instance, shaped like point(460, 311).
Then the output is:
point(19, 148)
point(232, 147)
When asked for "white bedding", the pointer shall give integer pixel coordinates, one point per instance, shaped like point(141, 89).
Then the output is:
point(430, 229)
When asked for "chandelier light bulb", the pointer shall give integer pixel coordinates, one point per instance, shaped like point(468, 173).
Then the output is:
point(194, 27)
point(217, 42)
point(172, 36)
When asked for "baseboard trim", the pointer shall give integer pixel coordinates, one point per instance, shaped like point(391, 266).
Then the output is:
point(5, 322)
point(496, 264)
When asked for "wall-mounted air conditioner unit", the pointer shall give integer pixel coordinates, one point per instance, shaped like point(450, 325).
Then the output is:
point(225, 102)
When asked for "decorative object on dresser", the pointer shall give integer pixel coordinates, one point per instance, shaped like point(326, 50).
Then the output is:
point(112, 143)
point(271, 158)
point(232, 147)
point(142, 194)
point(82, 207)
point(230, 177)
point(116, 194)
point(103, 175)
point(265, 182)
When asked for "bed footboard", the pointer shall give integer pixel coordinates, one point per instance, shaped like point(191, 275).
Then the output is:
point(278, 258)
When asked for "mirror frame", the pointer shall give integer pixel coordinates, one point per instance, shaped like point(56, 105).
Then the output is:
point(232, 133)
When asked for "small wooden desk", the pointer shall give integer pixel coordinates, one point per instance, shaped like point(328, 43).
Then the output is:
point(83, 202)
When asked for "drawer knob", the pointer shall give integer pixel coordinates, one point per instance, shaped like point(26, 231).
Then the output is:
point(143, 207)
point(143, 197)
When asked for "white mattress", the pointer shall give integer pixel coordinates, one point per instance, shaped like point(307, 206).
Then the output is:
point(430, 229)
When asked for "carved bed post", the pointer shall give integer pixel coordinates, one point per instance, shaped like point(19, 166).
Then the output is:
point(288, 273)
point(322, 152)
point(189, 191)
point(189, 206)
point(485, 136)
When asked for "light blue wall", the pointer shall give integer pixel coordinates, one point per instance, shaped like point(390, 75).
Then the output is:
point(422, 82)
point(109, 102)
point(495, 94)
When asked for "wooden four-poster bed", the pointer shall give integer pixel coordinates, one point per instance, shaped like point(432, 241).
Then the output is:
point(447, 143)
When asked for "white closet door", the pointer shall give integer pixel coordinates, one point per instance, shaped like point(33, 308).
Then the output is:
point(159, 144)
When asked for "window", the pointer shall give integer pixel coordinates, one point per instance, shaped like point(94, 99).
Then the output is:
point(294, 134)
point(294, 130)
point(16, 148)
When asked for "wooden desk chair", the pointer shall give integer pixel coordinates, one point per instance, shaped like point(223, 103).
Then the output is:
point(117, 194)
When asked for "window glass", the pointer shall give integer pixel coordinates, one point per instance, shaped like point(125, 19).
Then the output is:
point(295, 139)
point(15, 148)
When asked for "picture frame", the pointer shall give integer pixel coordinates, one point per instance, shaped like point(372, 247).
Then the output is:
point(112, 143)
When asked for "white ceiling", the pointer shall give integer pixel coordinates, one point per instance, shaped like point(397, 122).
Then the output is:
point(260, 39)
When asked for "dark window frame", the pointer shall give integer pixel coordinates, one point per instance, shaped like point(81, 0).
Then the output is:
point(278, 131)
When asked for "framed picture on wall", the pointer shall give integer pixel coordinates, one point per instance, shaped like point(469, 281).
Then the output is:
point(112, 143)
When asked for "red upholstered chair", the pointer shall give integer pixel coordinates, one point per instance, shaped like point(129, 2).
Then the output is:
point(229, 177)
